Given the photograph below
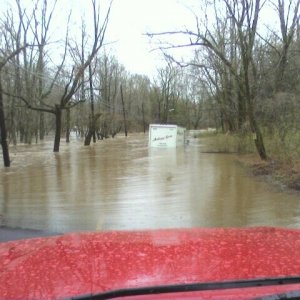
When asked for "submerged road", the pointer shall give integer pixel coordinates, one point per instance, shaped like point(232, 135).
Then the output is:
point(122, 184)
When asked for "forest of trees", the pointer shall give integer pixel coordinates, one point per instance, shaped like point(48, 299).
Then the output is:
point(244, 77)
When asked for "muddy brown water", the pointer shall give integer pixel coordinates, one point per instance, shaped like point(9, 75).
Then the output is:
point(122, 184)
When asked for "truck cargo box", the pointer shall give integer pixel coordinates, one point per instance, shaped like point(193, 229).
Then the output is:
point(166, 136)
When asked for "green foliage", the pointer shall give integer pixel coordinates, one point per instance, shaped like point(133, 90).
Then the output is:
point(229, 143)
point(285, 150)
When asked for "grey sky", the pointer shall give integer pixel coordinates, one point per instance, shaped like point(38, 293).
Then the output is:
point(129, 20)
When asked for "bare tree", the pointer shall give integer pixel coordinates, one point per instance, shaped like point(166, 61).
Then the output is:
point(93, 117)
point(124, 110)
point(288, 31)
point(244, 15)
point(109, 75)
point(41, 32)
point(28, 79)
point(3, 132)
point(74, 82)
point(167, 83)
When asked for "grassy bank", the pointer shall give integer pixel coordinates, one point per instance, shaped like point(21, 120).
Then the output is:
point(283, 165)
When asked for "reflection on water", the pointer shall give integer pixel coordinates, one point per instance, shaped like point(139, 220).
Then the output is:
point(122, 184)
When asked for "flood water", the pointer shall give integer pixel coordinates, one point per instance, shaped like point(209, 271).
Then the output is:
point(122, 184)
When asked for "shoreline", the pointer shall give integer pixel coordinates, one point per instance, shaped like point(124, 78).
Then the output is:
point(282, 176)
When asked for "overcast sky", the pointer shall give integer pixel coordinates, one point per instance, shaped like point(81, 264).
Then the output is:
point(129, 21)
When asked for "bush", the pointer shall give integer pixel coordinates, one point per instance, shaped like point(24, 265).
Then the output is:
point(229, 143)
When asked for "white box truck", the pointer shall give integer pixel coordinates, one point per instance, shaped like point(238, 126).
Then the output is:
point(166, 136)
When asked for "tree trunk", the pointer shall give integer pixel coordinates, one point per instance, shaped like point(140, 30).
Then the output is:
point(257, 135)
point(143, 114)
point(12, 133)
point(258, 138)
point(260, 145)
point(40, 90)
point(42, 126)
point(124, 114)
point(68, 125)
point(88, 138)
point(94, 137)
point(92, 104)
point(92, 129)
point(57, 128)
point(279, 82)
point(3, 132)
point(166, 112)
point(13, 122)
point(159, 112)
point(241, 110)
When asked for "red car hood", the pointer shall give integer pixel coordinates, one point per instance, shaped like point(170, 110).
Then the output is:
point(83, 263)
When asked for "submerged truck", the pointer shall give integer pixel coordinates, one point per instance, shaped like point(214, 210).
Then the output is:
point(166, 136)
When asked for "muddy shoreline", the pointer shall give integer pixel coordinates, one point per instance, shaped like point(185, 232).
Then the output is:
point(282, 176)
